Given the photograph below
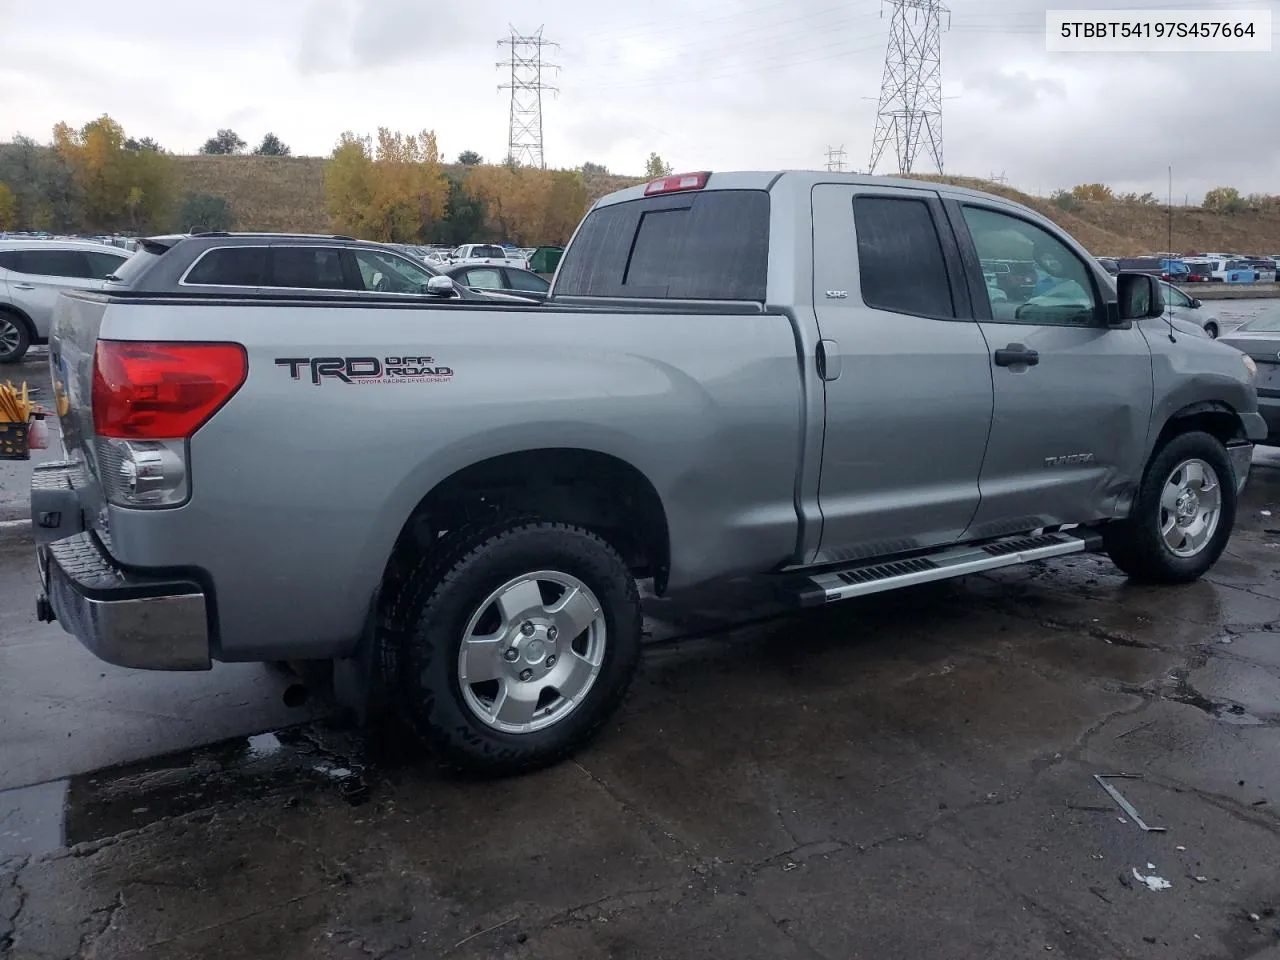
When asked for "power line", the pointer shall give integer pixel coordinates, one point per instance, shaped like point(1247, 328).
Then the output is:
point(835, 159)
point(910, 108)
point(524, 133)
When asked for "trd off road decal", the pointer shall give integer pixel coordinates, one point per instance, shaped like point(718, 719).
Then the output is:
point(367, 369)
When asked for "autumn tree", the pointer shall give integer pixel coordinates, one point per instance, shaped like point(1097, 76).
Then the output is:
point(120, 187)
point(530, 206)
point(655, 167)
point(391, 189)
point(1092, 191)
point(223, 143)
point(8, 208)
point(1223, 200)
point(272, 146)
point(565, 207)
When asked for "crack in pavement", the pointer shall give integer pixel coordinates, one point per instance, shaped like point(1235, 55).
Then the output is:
point(15, 891)
point(648, 823)
point(108, 914)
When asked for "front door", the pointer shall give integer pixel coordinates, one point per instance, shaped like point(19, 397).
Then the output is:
point(906, 372)
point(1072, 396)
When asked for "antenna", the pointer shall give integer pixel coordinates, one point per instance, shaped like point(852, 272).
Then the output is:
point(1168, 307)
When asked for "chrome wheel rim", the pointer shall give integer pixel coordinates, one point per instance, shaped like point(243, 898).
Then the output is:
point(1190, 508)
point(531, 652)
point(10, 337)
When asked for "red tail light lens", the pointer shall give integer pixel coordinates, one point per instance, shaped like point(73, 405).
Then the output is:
point(676, 183)
point(162, 391)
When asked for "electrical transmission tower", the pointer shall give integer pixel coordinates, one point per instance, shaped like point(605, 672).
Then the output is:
point(524, 139)
point(835, 159)
point(910, 110)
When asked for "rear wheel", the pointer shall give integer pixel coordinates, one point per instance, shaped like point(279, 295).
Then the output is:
point(1183, 514)
point(15, 338)
point(519, 644)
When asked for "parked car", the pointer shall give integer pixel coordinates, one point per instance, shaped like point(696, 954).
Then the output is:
point(1198, 271)
point(1260, 340)
point(793, 377)
point(509, 279)
point(33, 273)
point(1152, 266)
point(1264, 270)
point(487, 254)
point(1179, 306)
point(273, 264)
point(1109, 264)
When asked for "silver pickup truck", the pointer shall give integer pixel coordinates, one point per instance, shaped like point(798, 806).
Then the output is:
point(796, 377)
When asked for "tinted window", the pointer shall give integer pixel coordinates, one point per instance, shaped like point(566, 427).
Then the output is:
point(104, 263)
point(316, 268)
point(230, 267)
point(9, 259)
point(520, 280)
point(900, 261)
point(483, 279)
point(382, 272)
point(488, 252)
point(1063, 292)
point(136, 265)
point(54, 263)
point(712, 245)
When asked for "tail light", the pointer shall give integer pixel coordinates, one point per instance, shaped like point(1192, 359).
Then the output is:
point(162, 391)
point(148, 399)
point(676, 183)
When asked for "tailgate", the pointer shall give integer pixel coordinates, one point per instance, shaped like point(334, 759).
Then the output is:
point(73, 339)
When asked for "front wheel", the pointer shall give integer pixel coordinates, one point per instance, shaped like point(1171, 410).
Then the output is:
point(1182, 516)
point(1212, 330)
point(519, 645)
point(15, 338)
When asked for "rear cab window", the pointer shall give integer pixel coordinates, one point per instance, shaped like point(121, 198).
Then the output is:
point(699, 245)
point(489, 253)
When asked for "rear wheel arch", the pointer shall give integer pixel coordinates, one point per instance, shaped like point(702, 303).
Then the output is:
point(597, 491)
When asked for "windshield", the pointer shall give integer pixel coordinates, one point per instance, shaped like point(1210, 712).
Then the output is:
point(1269, 324)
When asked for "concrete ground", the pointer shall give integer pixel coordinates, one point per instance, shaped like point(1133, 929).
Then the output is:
point(910, 775)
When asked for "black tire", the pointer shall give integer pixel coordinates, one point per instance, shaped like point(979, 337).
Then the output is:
point(15, 337)
point(1212, 330)
point(1135, 544)
point(433, 606)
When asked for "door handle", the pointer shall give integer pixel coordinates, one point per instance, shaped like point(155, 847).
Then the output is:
point(1016, 353)
point(828, 360)
point(23, 286)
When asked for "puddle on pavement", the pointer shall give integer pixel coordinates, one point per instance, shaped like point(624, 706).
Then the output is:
point(1232, 713)
point(288, 765)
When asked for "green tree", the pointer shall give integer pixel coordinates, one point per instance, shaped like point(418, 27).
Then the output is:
point(469, 158)
point(1223, 200)
point(590, 169)
point(203, 213)
point(223, 143)
point(120, 187)
point(1065, 200)
point(272, 146)
point(655, 167)
point(146, 143)
point(8, 208)
point(566, 204)
point(464, 218)
point(1092, 191)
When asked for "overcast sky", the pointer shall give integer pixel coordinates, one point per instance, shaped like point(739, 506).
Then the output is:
point(716, 84)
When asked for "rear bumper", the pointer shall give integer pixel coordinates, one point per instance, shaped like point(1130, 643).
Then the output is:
point(150, 623)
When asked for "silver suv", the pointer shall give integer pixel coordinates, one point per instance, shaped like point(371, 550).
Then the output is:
point(33, 273)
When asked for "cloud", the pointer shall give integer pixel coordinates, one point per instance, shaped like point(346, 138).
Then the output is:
point(1015, 90)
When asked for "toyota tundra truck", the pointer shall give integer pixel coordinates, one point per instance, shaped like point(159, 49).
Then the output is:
point(798, 378)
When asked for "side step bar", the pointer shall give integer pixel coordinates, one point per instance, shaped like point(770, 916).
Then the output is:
point(858, 581)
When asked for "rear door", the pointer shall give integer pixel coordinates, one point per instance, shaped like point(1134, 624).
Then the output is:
point(1072, 396)
point(906, 372)
point(38, 276)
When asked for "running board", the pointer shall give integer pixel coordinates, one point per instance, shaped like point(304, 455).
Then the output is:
point(841, 584)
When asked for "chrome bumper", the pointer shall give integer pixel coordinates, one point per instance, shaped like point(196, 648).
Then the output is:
point(1241, 455)
point(149, 623)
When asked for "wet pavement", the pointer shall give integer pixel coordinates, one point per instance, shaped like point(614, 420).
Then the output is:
point(910, 775)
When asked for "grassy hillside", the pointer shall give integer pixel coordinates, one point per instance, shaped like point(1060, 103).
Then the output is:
point(287, 193)
point(1113, 228)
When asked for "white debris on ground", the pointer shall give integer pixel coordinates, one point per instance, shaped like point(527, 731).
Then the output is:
point(1152, 882)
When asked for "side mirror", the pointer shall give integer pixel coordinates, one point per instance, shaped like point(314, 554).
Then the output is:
point(1195, 303)
point(1140, 297)
point(441, 287)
